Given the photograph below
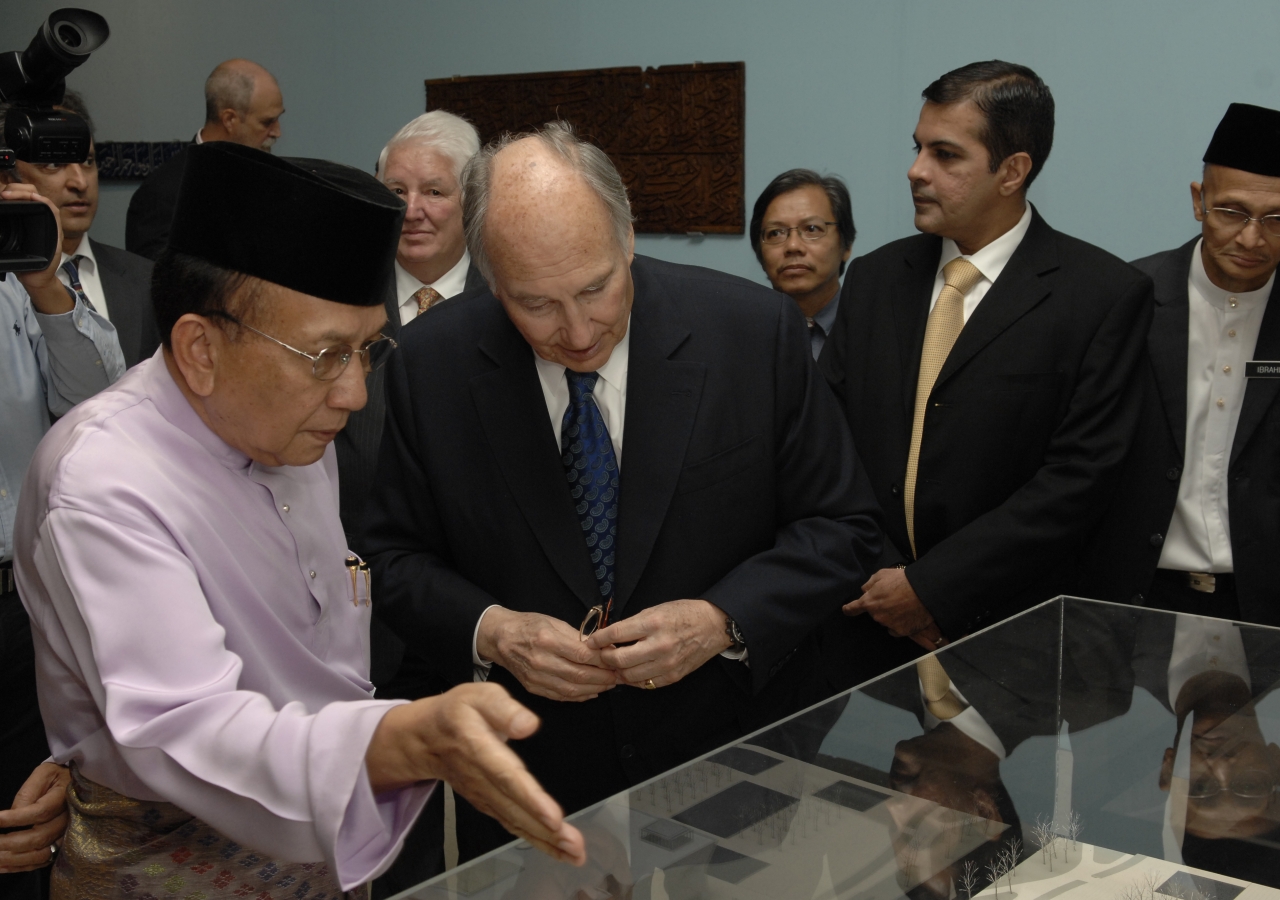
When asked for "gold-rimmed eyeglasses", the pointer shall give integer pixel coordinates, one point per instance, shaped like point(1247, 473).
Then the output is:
point(809, 231)
point(597, 617)
point(1237, 220)
point(330, 362)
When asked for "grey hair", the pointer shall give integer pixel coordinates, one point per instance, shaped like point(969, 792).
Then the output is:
point(583, 157)
point(226, 88)
point(450, 134)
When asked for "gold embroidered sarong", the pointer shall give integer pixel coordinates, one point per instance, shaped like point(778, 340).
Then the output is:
point(117, 848)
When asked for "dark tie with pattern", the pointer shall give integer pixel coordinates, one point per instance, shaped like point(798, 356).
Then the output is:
point(592, 472)
point(73, 277)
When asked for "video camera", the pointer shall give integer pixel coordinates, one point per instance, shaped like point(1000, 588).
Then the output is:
point(32, 83)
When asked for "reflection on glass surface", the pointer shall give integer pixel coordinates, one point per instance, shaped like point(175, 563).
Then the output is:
point(1080, 748)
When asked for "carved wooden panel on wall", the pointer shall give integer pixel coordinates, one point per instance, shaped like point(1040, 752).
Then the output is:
point(675, 132)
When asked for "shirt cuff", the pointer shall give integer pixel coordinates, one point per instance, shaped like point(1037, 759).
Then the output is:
point(737, 656)
point(480, 667)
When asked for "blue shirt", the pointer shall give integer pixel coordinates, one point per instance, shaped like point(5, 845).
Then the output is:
point(48, 364)
point(821, 326)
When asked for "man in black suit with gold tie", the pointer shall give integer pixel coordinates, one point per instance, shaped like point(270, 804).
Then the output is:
point(713, 540)
point(986, 368)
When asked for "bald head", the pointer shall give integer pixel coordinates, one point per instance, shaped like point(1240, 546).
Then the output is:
point(243, 104)
point(552, 245)
point(541, 211)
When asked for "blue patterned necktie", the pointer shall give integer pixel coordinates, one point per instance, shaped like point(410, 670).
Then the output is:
point(73, 276)
point(592, 472)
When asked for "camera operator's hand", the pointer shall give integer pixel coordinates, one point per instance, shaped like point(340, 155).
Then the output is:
point(47, 293)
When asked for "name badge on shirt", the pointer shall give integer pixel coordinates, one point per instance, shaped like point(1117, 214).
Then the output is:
point(1262, 369)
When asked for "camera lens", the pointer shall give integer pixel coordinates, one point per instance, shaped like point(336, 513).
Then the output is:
point(8, 237)
point(69, 35)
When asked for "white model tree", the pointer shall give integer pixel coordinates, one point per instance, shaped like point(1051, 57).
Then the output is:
point(995, 870)
point(968, 878)
point(1045, 838)
point(1012, 854)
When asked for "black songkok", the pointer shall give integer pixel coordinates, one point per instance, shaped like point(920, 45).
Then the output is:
point(1248, 138)
point(309, 225)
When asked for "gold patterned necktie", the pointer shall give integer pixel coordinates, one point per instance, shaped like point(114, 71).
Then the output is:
point(945, 323)
point(939, 699)
point(426, 298)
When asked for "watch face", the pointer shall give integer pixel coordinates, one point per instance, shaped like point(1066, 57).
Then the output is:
point(734, 634)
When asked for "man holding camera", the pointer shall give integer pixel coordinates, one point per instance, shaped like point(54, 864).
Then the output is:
point(115, 283)
point(56, 351)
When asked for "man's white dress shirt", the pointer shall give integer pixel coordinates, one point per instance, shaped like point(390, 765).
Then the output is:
point(990, 261)
point(90, 280)
point(448, 285)
point(1221, 336)
point(611, 399)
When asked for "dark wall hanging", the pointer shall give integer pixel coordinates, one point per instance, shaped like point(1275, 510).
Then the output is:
point(675, 132)
point(120, 160)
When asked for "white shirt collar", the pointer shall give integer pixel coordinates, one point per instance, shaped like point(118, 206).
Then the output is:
point(612, 373)
point(991, 259)
point(447, 285)
point(1216, 295)
point(84, 249)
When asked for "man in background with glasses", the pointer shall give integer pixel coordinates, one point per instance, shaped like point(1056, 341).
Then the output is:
point(1196, 525)
point(802, 233)
point(201, 627)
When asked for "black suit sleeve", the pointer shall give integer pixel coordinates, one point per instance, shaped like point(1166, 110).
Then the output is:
point(1050, 515)
point(430, 606)
point(829, 523)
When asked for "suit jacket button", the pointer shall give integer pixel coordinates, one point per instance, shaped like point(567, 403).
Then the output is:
point(1173, 473)
point(1157, 540)
point(1138, 600)
point(895, 490)
point(627, 751)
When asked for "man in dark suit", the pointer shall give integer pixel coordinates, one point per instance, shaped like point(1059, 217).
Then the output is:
point(733, 520)
point(986, 368)
point(1195, 526)
point(114, 282)
point(243, 105)
point(422, 165)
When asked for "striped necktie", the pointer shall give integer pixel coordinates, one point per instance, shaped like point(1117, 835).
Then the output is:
point(945, 323)
point(70, 267)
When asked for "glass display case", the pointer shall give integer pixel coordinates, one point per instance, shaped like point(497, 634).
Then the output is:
point(1080, 749)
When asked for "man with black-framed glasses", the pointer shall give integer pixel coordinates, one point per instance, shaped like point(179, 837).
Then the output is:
point(1196, 525)
point(201, 628)
point(802, 233)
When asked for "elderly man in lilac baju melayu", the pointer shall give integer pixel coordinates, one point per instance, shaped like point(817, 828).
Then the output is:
point(201, 632)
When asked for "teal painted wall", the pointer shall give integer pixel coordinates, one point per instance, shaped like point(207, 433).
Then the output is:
point(831, 85)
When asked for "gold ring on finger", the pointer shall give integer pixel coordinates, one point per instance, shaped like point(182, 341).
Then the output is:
point(649, 685)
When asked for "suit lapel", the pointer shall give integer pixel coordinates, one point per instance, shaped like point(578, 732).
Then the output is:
point(1260, 393)
point(662, 404)
point(1167, 341)
point(513, 414)
point(911, 313)
point(474, 278)
point(124, 315)
point(1019, 288)
point(392, 305)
